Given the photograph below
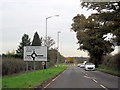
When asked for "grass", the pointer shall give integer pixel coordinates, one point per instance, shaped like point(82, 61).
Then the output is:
point(31, 80)
point(117, 72)
point(0, 83)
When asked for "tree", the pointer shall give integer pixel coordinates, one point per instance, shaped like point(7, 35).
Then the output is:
point(90, 35)
point(105, 9)
point(25, 42)
point(37, 41)
point(49, 43)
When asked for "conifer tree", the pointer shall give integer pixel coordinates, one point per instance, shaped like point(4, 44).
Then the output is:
point(37, 41)
point(25, 42)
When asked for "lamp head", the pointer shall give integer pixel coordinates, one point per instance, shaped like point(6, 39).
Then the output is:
point(59, 31)
point(57, 15)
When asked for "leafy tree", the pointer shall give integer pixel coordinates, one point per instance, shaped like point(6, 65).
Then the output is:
point(91, 31)
point(90, 35)
point(37, 41)
point(25, 42)
point(109, 13)
point(102, 6)
point(49, 43)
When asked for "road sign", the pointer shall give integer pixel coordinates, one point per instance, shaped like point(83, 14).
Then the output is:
point(43, 63)
point(35, 53)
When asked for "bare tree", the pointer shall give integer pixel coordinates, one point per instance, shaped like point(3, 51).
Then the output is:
point(49, 42)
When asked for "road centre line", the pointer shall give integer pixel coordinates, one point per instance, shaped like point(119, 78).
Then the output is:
point(103, 87)
point(87, 77)
point(95, 80)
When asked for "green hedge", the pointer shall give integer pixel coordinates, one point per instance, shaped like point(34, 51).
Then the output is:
point(12, 65)
point(112, 62)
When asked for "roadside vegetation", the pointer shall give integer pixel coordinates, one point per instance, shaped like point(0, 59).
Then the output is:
point(110, 64)
point(14, 73)
point(108, 70)
point(12, 62)
point(93, 32)
point(31, 80)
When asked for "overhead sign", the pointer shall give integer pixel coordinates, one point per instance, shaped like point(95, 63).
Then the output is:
point(35, 53)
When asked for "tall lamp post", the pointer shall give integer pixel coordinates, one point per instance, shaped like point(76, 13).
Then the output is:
point(46, 43)
point(46, 25)
point(58, 47)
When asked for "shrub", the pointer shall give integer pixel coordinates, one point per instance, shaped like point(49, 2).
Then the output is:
point(12, 65)
point(111, 62)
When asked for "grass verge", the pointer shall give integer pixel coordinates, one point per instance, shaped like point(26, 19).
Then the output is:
point(110, 71)
point(32, 79)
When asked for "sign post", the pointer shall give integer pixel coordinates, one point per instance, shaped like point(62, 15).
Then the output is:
point(43, 64)
point(26, 66)
point(35, 53)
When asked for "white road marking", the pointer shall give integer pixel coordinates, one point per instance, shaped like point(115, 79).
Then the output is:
point(47, 85)
point(86, 76)
point(103, 87)
point(53, 80)
point(95, 80)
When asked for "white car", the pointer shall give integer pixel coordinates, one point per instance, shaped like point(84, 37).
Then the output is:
point(78, 65)
point(82, 65)
point(89, 66)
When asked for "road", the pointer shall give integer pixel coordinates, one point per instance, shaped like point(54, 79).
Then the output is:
point(75, 77)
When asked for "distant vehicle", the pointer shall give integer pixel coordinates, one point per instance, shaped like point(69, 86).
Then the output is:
point(89, 66)
point(82, 65)
point(84, 62)
point(78, 65)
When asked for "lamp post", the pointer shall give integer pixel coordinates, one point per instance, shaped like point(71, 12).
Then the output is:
point(46, 25)
point(46, 31)
point(58, 46)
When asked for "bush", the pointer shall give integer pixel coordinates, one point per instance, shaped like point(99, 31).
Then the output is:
point(12, 65)
point(111, 62)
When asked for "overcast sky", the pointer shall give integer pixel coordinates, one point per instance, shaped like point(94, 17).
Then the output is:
point(28, 16)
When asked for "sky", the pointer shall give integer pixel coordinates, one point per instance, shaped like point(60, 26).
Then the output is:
point(20, 17)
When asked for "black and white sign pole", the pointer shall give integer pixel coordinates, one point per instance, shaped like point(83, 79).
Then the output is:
point(34, 65)
point(27, 66)
point(26, 69)
point(43, 64)
point(33, 55)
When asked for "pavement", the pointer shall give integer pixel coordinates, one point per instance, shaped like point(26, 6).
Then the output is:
point(76, 77)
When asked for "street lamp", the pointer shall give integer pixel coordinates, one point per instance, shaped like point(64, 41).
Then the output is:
point(46, 30)
point(46, 25)
point(58, 47)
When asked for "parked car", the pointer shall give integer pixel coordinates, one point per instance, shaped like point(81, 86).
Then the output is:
point(84, 62)
point(82, 65)
point(78, 65)
point(89, 66)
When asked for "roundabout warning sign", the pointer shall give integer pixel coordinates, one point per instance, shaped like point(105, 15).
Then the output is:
point(35, 53)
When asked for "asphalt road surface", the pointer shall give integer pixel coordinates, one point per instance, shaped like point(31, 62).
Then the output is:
point(76, 77)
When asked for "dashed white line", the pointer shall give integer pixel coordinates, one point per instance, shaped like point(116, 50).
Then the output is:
point(86, 76)
point(95, 80)
point(103, 87)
